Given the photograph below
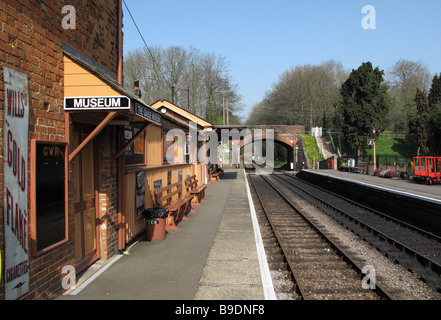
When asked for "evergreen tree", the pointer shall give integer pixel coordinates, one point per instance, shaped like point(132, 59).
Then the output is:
point(435, 92)
point(435, 125)
point(364, 104)
point(419, 121)
point(435, 115)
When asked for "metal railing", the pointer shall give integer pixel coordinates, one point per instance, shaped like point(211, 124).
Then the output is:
point(381, 159)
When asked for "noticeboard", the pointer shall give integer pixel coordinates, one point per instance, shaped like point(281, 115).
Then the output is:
point(140, 193)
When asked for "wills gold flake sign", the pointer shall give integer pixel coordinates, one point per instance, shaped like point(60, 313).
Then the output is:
point(16, 214)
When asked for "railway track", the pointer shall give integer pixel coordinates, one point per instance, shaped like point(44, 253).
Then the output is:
point(411, 247)
point(320, 268)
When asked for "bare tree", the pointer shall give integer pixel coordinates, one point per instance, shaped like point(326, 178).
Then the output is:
point(163, 72)
point(303, 95)
point(404, 78)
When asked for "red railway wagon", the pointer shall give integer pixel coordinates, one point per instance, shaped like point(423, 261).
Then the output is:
point(427, 169)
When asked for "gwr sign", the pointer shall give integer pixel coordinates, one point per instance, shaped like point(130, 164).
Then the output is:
point(16, 218)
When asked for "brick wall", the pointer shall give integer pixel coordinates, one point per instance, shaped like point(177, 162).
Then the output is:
point(31, 35)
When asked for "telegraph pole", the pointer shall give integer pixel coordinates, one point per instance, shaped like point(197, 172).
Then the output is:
point(228, 115)
point(223, 105)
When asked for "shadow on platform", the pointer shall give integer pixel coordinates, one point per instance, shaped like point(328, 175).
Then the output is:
point(229, 175)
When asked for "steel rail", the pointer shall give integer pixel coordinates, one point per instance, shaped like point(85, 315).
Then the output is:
point(380, 290)
point(299, 287)
point(379, 213)
point(421, 258)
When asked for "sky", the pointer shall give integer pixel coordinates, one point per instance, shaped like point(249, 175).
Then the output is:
point(261, 39)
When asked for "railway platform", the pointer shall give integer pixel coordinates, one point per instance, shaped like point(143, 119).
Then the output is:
point(404, 187)
point(216, 255)
point(418, 204)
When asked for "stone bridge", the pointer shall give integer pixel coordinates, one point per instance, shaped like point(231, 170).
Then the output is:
point(286, 135)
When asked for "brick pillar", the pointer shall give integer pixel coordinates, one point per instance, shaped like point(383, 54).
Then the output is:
point(107, 195)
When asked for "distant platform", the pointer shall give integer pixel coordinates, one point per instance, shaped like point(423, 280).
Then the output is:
point(417, 204)
point(404, 187)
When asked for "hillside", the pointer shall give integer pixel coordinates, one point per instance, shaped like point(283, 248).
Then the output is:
point(385, 146)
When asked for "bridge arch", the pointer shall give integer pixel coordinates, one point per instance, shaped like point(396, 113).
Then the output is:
point(290, 146)
point(285, 135)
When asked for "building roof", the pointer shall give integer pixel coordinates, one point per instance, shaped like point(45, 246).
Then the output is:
point(105, 77)
point(174, 109)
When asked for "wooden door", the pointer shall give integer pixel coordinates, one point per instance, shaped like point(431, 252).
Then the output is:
point(86, 226)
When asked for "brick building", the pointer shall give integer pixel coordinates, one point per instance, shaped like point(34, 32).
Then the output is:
point(80, 156)
point(60, 187)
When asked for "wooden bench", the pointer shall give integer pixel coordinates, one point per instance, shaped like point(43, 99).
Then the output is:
point(176, 208)
point(214, 176)
point(191, 183)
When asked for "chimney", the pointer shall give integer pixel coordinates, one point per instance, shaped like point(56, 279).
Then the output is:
point(136, 89)
point(185, 98)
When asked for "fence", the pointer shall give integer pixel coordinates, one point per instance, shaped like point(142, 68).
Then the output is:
point(327, 164)
point(382, 160)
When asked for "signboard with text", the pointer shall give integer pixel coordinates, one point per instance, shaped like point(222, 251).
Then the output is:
point(147, 113)
point(16, 213)
point(96, 103)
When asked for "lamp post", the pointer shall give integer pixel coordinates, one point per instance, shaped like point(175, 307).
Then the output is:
point(375, 146)
point(375, 155)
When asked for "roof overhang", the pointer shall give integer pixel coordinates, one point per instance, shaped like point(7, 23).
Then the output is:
point(179, 114)
point(91, 93)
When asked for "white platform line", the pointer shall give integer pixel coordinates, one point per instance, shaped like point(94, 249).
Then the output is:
point(268, 288)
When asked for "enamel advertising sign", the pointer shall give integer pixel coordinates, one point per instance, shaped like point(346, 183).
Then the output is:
point(16, 217)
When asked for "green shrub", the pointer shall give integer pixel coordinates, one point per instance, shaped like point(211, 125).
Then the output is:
point(311, 149)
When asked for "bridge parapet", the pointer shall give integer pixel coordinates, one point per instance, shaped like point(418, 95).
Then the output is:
point(288, 135)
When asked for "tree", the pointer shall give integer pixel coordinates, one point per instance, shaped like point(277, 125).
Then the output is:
point(162, 74)
point(419, 121)
point(304, 95)
point(435, 115)
point(364, 105)
point(435, 92)
point(403, 78)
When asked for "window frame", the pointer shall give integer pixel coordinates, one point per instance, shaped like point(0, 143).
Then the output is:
point(131, 148)
point(33, 198)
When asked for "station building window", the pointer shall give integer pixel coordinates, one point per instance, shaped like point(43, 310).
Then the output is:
point(49, 200)
point(135, 153)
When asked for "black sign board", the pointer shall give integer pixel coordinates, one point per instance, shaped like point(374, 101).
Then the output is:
point(157, 184)
point(50, 193)
point(146, 113)
point(97, 103)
